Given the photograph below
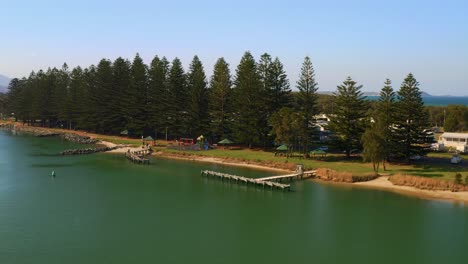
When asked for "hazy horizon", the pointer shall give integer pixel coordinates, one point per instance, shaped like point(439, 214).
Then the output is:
point(366, 40)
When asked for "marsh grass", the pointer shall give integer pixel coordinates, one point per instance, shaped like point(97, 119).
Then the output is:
point(427, 183)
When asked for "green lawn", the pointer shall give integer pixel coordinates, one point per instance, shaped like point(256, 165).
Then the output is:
point(116, 140)
point(437, 165)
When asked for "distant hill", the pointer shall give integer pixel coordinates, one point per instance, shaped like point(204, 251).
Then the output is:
point(424, 94)
point(4, 81)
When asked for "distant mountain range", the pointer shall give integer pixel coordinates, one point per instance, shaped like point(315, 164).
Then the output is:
point(424, 94)
point(4, 81)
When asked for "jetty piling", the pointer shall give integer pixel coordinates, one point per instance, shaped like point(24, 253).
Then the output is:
point(137, 156)
point(260, 182)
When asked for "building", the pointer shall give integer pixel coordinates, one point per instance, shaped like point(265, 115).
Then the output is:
point(454, 139)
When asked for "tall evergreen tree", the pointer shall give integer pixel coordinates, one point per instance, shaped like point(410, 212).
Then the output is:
point(121, 80)
point(158, 94)
point(76, 95)
point(42, 104)
point(280, 89)
point(307, 100)
point(275, 88)
point(198, 98)
point(138, 94)
point(63, 89)
point(15, 98)
point(385, 118)
point(178, 100)
point(348, 122)
point(411, 120)
point(102, 97)
point(220, 99)
point(248, 100)
point(88, 107)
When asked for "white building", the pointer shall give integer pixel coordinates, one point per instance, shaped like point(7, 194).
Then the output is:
point(454, 139)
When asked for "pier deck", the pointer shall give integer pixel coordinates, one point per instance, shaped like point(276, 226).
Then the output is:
point(137, 156)
point(261, 182)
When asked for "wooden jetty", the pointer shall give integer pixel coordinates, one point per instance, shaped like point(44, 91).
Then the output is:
point(261, 182)
point(240, 179)
point(298, 176)
point(137, 156)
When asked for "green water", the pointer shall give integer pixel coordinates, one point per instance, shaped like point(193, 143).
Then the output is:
point(102, 209)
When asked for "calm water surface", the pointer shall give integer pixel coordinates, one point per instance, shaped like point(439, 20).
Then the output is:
point(102, 209)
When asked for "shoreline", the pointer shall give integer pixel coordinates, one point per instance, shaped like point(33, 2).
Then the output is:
point(381, 183)
point(221, 161)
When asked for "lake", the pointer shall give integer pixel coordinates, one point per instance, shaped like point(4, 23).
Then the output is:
point(102, 209)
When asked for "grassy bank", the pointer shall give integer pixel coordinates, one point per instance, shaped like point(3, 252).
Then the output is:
point(436, 166)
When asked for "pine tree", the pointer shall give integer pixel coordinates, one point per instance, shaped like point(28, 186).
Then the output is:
point(307, 100)
point(384, 118)
point(102, 97)
point(275, 86)
point(158, 94)
point(348, 122)
point(75, 96)
point(14, 99)
point(178, 100)
point(220, 99)
point(280, 89)
point(198, 98)
point(411, 120)
point(87, 106)
point(121, 80)
point(138, 94)
point(63, 89)
point(42, 105)
point(248, 101)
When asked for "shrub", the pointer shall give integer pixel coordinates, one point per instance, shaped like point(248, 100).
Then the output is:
point(427, 183)
point(332, 175)
point(466, 180)
point(458, 178)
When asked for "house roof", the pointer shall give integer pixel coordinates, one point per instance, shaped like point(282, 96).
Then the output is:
point(454, 135)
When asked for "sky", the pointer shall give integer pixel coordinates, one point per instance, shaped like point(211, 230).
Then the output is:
point(367, 40)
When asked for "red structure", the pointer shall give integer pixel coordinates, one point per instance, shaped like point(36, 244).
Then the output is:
point(186, 141)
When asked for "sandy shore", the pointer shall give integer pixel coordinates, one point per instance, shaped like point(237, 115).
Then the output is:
point(221, 161)
point(383, 183)
point(121, 149)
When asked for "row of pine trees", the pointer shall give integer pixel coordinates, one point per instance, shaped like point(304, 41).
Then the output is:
point(254, 106)
point(157, 98)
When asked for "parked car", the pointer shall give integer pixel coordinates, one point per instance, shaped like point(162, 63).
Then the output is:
point(455, 159)
point(415, 157)
point(324, 148)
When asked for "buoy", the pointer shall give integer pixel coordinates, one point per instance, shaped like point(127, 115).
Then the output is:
point(53, 174)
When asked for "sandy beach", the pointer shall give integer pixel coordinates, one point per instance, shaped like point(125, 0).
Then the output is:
point(383, 183)
point(221, 161)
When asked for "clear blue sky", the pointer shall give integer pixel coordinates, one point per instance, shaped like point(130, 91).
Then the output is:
point(368, 40)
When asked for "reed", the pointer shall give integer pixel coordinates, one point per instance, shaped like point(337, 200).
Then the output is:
point(427, 183)
point(335, 176)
